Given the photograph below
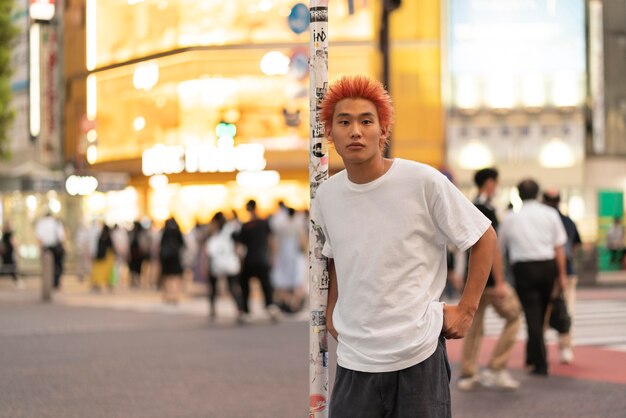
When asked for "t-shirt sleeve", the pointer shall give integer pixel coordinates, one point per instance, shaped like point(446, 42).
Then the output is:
point(319, 229)
point(457, 219)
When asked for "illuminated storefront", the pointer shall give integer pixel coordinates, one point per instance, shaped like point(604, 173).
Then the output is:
point(162, 79)
point(157, 95)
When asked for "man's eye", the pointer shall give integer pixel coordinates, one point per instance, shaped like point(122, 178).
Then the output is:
point(367, 122)
point(343, 122)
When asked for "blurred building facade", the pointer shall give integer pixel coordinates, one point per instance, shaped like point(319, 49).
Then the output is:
point(32, 177)
point(164, 103)
point(184, 96)
point(529, 89)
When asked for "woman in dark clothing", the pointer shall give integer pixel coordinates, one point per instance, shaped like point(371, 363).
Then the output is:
point(138, 252)
point(7, 248)
point(170, 256)
point(102, 267)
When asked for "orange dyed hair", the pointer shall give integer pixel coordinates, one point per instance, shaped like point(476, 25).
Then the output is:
point(358, 87)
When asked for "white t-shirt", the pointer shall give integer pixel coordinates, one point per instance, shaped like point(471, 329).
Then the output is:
point(388, 240)
point(532, 233)
point(49, 231)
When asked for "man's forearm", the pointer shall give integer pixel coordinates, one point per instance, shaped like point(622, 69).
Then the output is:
point(480, 264)
point(333, 293)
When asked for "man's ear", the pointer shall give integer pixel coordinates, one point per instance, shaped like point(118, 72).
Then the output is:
point(328, 133)
point(384, 133)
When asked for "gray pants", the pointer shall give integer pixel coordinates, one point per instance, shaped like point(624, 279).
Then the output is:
point(422, 390)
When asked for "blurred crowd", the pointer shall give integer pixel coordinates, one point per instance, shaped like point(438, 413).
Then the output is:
point(271, 250)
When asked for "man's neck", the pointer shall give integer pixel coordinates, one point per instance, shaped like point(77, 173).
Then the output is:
point(368, 171)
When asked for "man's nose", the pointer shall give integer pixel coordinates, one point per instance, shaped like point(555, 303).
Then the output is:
point(355, 130)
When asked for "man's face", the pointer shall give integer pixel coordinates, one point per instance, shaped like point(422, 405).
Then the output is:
point(356, 131)
point(490, 187)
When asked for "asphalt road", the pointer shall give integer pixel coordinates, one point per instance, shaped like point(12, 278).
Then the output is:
point(64, 362)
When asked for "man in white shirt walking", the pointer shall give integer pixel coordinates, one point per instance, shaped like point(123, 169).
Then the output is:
point(535, 240)
point(51, 236)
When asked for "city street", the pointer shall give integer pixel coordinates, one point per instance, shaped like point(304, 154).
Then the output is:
point(128, 355)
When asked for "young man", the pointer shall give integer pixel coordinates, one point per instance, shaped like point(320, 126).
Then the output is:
point(501, 296)
point(386, 224)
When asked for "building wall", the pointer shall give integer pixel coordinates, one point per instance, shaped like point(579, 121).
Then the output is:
point(415, 82)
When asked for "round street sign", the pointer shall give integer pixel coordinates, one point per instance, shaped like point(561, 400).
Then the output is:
point(299, 18)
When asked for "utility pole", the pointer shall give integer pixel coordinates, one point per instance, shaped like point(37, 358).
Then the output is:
point(318, 173)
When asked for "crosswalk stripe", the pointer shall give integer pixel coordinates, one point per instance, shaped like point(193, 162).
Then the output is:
point(595, 323)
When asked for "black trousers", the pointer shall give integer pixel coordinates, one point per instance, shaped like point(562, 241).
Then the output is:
point(233, 287)
point(534, 281)
point(58, 254)
point(262, 272)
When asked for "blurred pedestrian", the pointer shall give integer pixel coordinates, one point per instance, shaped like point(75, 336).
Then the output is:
point(199, 235)
point(83, 244)
point(154, 277)
point(256, 237)
point(552, 198)
point(288, 268)
point(8, 245)
point(104, 261)
point(224, 262)
point(121, 244)
point(139, 251)
point(615, 240)
point(535, 240)
point(51, 236)
point(170, 254)
point(498, 294)
point(386, 224)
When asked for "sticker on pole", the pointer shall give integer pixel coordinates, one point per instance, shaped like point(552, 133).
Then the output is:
point(299, 18)
point(317, 402)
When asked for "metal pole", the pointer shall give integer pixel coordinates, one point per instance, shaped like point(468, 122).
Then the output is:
point(318, 172)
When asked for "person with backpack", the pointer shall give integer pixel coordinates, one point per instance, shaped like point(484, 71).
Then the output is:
point(224, 262)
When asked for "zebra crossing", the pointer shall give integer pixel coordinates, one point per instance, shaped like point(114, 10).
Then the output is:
point(599, 315)
point(596, 322)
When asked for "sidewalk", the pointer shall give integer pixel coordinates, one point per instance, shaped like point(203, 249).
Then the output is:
point(611, 278)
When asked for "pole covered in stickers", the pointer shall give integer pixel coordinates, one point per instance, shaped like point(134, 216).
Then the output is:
point(318, 172)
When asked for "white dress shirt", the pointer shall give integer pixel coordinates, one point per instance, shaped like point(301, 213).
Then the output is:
point(49, 231)
point(532, 234)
